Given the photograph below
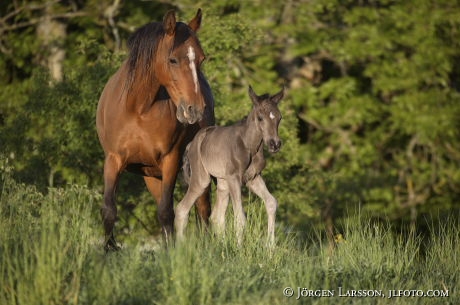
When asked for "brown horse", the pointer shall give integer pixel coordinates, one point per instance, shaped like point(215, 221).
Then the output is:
point(148, 112)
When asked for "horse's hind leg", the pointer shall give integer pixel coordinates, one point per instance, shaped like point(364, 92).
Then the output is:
point(112, 168)
point(154, 186)
point(257, 185)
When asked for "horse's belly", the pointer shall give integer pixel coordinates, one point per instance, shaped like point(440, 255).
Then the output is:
point(144, 170)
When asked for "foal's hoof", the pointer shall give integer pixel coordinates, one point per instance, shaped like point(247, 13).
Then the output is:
point(111, 246)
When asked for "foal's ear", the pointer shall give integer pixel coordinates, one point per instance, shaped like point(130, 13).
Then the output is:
point(195, 23)
point(277, 97)
point(253, 96)
point(169, 22)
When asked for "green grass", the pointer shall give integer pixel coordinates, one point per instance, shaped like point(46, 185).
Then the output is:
point(51, 253)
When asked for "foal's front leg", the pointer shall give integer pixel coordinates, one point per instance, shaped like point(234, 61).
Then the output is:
point(257, 185)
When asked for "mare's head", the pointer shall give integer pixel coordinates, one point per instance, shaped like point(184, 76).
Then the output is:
point(173, 55)
point(267, 117)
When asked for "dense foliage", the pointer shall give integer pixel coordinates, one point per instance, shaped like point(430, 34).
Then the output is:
point(371, 117)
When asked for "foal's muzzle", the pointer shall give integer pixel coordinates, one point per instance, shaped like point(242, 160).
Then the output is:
point(188, 114)
point(274, 146)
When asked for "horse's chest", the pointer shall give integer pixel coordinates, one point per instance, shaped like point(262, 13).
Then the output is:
point(151, 144)
point(165, 143)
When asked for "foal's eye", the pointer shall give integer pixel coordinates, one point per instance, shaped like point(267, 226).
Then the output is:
point(260, 118)
point(173, 61)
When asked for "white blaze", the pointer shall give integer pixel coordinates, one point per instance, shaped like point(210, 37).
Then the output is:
point(191, 58)
point(272, 116)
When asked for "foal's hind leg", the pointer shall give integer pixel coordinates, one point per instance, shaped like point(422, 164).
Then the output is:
point(203, 207)
point(257, 185)
point(240, 218)
point(195, 189)
point(112, 169)
point(199, 181)
point(220, 208)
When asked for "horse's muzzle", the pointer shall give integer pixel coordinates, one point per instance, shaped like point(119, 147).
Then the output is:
point(188, 114)
point(274, 146)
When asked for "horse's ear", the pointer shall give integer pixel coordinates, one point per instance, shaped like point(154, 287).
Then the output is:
point(253, 96)
point(195, 23)
point(169, 22)
point(277, 97)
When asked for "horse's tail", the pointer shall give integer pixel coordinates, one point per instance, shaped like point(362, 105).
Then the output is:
point(187, 170)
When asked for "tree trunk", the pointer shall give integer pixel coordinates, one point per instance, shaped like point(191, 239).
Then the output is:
point(52, 34)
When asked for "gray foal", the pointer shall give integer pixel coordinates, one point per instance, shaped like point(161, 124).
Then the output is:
point(234, 156)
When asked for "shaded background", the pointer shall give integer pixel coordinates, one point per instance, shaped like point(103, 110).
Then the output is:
point(371, 120)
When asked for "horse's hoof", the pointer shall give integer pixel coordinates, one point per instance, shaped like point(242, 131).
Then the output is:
point(111, 246)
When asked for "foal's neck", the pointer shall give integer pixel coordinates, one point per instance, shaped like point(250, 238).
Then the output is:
point(252, 136)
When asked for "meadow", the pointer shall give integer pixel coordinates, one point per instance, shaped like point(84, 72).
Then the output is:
point(51, 253)
point(370, 119)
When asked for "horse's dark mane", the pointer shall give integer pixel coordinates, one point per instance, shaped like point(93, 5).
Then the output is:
point(142, 46)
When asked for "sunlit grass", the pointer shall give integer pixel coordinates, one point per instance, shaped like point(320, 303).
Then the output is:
point(51, 253)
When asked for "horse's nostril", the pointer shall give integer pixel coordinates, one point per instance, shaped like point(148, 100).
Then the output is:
point(189, 108)
point(275, 145)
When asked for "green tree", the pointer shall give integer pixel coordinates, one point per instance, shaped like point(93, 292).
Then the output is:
point(382, 110)
point(370, 117)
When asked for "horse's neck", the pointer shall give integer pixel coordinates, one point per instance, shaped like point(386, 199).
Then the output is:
point(141, 93)
point(252, 137)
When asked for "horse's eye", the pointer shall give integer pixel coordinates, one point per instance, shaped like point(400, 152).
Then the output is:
point(173, 61)
point(260, 118)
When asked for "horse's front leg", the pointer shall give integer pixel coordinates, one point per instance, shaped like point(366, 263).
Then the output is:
point(257, 185)
point(170, 167)
point(112, 168)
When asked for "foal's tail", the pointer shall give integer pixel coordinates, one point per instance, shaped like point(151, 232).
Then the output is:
point(187, 170)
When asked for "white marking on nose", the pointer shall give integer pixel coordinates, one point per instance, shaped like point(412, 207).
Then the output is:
point(191, 58)
point(272, 116)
